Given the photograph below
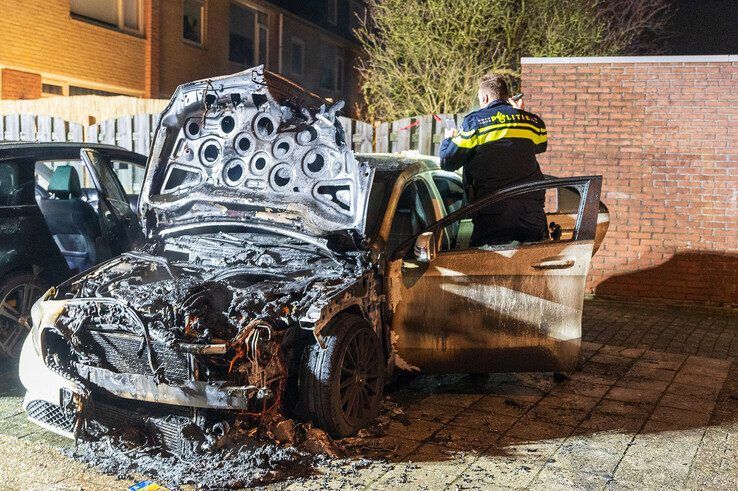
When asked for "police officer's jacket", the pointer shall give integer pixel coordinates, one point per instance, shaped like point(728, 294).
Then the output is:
point(497, 146)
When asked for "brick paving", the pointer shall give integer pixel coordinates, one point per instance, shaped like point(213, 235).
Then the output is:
point(654, 406)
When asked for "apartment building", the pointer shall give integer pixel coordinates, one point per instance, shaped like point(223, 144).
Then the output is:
point(145, 48)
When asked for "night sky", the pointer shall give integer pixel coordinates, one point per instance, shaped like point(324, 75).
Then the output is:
point(704, 27)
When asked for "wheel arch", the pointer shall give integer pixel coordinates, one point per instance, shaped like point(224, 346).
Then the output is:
point(26, 268)
point(318, 397)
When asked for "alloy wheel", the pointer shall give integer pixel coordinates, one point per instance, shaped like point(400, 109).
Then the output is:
point(360, 377)
point(15, 311)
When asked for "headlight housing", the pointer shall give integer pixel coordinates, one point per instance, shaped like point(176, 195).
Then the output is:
point(44, 313)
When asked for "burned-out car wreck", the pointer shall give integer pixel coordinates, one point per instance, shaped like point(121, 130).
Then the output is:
point(284, 277)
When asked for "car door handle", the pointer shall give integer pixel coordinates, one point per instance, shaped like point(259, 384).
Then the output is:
point(556, 263)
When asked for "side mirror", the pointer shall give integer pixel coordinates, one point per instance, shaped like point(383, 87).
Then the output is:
point(425, 247)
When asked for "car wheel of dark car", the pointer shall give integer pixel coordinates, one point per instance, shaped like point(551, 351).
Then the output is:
point(342, 384)
point(17, 295)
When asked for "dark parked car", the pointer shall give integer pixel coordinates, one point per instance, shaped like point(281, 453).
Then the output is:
point(62, 211)
point(285, 276)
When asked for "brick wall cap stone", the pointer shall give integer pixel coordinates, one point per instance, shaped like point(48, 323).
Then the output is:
point(628, 59)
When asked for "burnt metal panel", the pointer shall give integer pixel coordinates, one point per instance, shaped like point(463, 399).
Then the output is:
point(491, 310)
point(165, 424)
point(147, 388)
point(247, 159)
point(501, 308)
point(122, 353)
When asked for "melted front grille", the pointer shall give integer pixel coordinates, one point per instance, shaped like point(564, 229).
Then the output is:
point(162, 422)
point(50, 414)
point(125, 353)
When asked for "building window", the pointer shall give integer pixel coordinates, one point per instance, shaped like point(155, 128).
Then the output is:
point(131, 15)
point(339, 75)
point(249, 35)
point(193, 26)
point(331, 11)
point(74, 90)
point(52, 89)
point(121, 14)
point(327, 77)
point(263, 37)
point(297, 56)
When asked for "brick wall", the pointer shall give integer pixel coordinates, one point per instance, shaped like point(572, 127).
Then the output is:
point(15, 84)
point(183, 61)
point(663, 133)
point(40, 36)
point(152, 30)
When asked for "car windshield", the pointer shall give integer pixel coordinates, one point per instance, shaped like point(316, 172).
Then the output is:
point(8, 182)
point(16, 184)
point(379, 196)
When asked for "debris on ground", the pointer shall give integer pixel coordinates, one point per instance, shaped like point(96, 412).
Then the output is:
point(253, 463)
point(283, 451)
point(317, 441)
point(560, 377)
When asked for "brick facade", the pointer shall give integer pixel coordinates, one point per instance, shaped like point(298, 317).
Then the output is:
point(44, 38)
point(663, 134)
point(15, 84)
point(152, 16)
point(40, 36)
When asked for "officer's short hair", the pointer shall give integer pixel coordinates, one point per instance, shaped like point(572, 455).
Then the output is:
point(495, 86)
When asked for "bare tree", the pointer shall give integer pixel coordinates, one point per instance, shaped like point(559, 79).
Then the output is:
point(425, 56)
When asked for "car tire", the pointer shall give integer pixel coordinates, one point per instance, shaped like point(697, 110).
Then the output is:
point(342, 384)
point(17, 295)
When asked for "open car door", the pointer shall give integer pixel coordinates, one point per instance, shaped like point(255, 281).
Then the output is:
point(511, 307)
point(118, 222)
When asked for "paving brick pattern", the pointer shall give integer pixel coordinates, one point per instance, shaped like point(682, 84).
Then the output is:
point(687, 330)
point(644, 412)
point(654, 406)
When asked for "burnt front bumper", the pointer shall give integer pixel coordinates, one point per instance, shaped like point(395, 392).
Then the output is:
point(186, 393)
point(52, 399)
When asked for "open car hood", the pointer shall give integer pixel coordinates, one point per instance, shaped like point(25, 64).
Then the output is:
point(226, 152)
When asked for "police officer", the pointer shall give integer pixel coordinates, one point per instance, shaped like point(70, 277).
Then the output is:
point(497, 148)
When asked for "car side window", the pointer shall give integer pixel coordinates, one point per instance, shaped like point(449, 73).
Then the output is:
point(8, 182)
point(562, 209)
point(414, 212)
point(451, 191)
point(111, 185)
point(16, 184)
point(527, 218)
point(130, 175)
point(44, 170)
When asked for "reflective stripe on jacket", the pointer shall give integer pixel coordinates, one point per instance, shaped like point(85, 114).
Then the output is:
point(497, 147)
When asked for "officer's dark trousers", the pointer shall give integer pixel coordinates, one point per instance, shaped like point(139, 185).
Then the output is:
point(521, 220)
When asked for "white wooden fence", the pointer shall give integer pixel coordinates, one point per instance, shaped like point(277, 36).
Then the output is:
point(130, 132)
point(421, 133)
